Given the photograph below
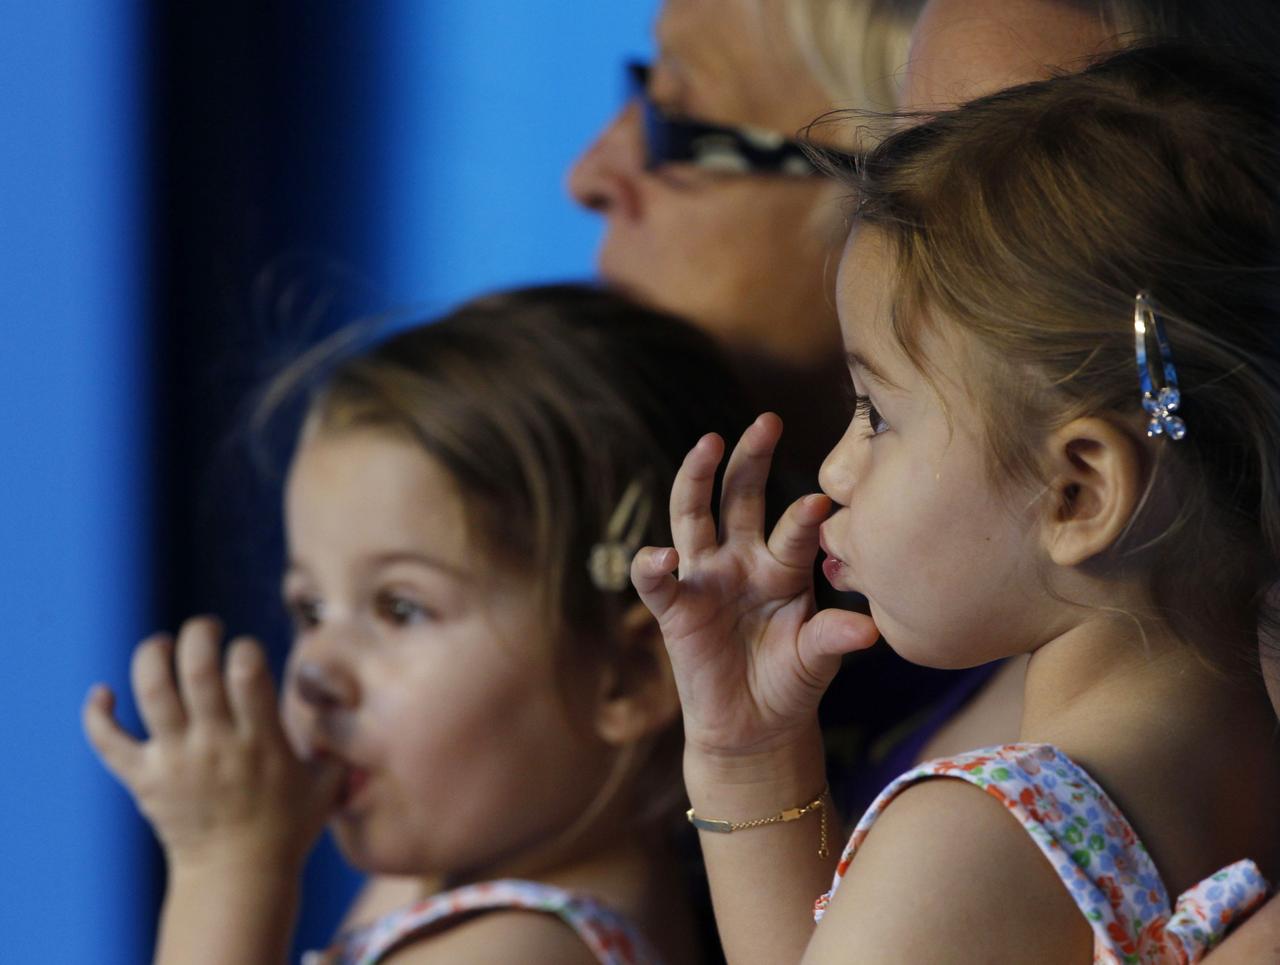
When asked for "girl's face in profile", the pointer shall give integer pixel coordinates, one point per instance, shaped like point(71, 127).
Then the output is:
point(423, 666)
point(947, 565)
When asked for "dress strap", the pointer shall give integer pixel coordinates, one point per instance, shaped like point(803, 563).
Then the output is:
point(611, 937)
point(1095, 851)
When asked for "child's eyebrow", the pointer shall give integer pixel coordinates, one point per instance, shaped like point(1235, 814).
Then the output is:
point(857, 360)
point(390, 558)
point(420, 559)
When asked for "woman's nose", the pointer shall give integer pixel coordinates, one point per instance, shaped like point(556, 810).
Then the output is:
point(603, 178)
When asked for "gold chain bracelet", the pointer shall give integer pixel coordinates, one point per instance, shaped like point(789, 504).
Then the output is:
point(818, 804)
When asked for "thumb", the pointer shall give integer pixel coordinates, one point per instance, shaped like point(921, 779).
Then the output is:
point(652, 574)
point(327, 776)
point(829, 634)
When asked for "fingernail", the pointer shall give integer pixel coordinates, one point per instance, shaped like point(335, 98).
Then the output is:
point(817, 502)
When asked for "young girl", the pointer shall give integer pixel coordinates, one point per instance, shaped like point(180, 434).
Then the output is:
point(1031, 282)
point(474, 692)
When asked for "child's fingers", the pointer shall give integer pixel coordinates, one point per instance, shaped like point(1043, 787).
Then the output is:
point(200, 669)
point(651, 575)
point(692, 528)
point(828, 635)
point(114, 745)
point(250, 690)
point(151, 673)
point(794, 540)
point(742, 498)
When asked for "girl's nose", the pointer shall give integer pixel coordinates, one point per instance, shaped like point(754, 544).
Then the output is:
point(837, 474)
point(604, 178)
point(323, 686)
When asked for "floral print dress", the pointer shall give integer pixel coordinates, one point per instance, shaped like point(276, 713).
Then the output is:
point(1096, 854)
point(612, 939)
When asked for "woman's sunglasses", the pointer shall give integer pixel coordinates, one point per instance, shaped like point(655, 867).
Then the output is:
point(715, 147)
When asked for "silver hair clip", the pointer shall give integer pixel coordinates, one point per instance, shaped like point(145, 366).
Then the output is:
point(1160, 396)
point(610, 560)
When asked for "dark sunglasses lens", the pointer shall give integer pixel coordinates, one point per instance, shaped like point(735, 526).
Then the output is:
point(713, 147)
point(658, 145)
point(637, 77)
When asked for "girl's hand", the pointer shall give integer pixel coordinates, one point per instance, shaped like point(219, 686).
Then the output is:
point(751, 658)
point(216, 778)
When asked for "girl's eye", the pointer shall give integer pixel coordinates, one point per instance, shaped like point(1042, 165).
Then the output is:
point(401, 611)
point(862, 405)
point(304, 613)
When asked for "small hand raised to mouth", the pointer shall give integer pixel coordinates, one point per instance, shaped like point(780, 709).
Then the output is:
point(750, 654)
point(216, 774)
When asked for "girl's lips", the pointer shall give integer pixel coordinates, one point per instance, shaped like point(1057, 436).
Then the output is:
point(833, 570)
point(832, 567)
point(353, 784)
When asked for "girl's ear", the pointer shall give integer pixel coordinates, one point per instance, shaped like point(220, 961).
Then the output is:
point(1096, 483)
point(637, 691)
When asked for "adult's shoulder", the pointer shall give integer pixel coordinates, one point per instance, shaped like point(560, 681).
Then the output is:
point(947, 866)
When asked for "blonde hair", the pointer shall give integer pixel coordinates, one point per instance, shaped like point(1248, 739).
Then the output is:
point(1031, 218)
point(855, 50)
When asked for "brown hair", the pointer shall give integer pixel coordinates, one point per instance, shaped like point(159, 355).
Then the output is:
point(1032, 217)
point(545, 405)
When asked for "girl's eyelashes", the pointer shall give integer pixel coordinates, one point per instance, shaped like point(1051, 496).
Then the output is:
point(850, 397)
point(394, 608)
point(304, 612)
point(400, 610)
point(863, 406)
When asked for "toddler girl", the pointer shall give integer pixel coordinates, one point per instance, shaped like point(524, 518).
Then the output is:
point(1030, 283)
point(474, 692)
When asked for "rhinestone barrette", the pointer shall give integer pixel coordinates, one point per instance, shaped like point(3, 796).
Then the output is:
point(1160, 396)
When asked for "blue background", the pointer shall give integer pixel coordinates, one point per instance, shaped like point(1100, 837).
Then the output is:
point(446, 130)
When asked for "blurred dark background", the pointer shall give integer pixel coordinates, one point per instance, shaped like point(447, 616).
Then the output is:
point(190, 194)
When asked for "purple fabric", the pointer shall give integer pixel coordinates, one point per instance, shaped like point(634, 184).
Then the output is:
point(863, 784)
